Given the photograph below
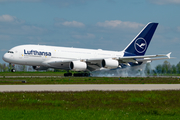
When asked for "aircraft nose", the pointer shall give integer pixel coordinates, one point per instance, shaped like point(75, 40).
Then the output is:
point(5, 57)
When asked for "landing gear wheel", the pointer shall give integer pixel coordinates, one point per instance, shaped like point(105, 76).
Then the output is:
point(81, 74)
point(67, 74)
point(78, 74)
point(13, 70)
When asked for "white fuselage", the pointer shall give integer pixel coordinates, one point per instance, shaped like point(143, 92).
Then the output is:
point(37, 55)
point(67, 58)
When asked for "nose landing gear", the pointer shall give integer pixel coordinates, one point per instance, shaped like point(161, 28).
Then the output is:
point(11, 68)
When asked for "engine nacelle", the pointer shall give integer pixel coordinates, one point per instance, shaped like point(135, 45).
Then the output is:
point(40, 68)
point(110, 63)
point(78, 66)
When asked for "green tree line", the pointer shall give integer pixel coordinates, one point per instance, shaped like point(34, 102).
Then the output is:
point(6, 68)
point(165, 68)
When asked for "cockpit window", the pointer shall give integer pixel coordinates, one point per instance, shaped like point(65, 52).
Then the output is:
point(10, 52)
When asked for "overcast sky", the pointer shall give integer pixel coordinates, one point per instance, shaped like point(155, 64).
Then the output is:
point(94, 24)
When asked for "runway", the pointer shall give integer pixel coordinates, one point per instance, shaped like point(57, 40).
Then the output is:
point(89, 87)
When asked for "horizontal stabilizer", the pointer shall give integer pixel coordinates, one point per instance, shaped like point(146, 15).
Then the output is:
point(168, 55)
point(151, 59)
point(135, 59)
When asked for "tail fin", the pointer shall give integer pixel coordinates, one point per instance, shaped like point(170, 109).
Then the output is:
point(140, 43)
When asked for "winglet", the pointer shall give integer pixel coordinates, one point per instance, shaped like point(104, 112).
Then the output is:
point(168, 55)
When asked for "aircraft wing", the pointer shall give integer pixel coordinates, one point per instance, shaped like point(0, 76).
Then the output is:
point(58, 63)
point(96, 63)
point(92, 64)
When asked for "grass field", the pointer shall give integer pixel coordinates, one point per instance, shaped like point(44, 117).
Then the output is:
point(114, 105)
point(96, 105)
point(32, 73)
point(41, 73)
point(89, 80)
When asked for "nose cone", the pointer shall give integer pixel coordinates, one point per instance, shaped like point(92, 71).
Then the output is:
point(6, 57)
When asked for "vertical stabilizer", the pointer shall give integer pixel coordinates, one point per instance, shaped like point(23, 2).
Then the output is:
point(140, 43)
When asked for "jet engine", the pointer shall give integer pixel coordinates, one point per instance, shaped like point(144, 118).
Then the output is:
point(78, 66)
point(110, 63)
point(40, 68)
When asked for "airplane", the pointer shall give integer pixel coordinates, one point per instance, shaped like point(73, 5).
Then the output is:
point(42, 57)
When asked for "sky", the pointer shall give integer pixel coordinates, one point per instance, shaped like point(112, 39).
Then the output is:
point(92, 24)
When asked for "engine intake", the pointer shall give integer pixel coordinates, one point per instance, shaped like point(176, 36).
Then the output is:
point(110, 63)
point(78, 66)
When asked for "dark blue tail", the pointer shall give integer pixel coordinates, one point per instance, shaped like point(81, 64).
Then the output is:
point(140, 43)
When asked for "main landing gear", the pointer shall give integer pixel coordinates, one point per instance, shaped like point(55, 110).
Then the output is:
point(81, 74)
point(67, 74)
point(85, 74)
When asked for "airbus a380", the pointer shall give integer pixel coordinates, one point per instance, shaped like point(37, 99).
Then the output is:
point(42, 57)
